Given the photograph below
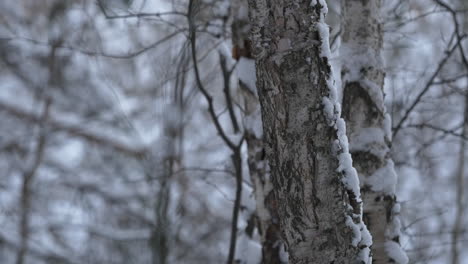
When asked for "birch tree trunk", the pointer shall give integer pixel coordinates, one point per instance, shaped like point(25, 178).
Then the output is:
point(267, 219)
point(315, 186)
point(369, 125)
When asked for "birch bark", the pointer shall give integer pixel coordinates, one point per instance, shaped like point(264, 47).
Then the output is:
point(368, 125)
point(315, 186)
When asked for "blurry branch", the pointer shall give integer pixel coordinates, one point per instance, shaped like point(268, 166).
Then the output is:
point(426, 88)
point(195, 248)
point(439, 233)
point(136, 15)
point(458, 32)
point(334, 38)
point(402, 23)
point(451, 80)
point(444, 130)
point(184, 170)
point(111, 199)
point(227, 91)
point(203, 89)
point(28, 177)
point(236, 155)
point(105, 54)
point(431, 142)
point(106, 232)
point(76, 131)
point(47, 257)
point(432, 245)
point(459, 179)
point(406, 227)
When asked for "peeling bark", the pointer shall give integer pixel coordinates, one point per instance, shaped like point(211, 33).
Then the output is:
point(368, 125)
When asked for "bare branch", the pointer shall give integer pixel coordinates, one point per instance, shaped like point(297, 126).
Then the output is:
point(76, 131)
point(426, 88)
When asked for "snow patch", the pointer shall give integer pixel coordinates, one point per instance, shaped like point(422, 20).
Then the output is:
point(371, 139)
point(249, 250)
point(374, 91)
point(388, 125)
point(283, 254)
point(332, 111)
point(351, 179)
point(324, 34)
point(356, 231)
point(394, 250)
point(261, 192)
point(253, 122)
point(329, 109)
point(245, 71)
point(383, 180)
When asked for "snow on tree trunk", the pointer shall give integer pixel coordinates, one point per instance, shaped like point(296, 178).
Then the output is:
point(369, 126)
point(267, 219)
point(315, 186)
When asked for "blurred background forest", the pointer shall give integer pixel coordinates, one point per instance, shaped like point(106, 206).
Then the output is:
point(108, 153)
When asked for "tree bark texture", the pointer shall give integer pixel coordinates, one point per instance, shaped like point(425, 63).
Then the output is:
point(368, 125)
point(267, 219)
point(315, 187)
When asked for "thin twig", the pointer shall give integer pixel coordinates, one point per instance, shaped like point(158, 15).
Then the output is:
point(428, 85)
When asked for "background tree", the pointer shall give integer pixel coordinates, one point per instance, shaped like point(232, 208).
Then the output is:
point(368, 125)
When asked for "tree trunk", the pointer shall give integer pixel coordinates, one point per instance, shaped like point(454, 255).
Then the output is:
point(315, 186)
point(267, 220)
point(369, 125)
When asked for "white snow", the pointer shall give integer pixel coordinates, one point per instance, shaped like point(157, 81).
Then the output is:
point(366, 235)
point(323, 30)
point(283, 254)
point(261, 192)
point(253, 123)
point(245, 71)
point(351, 179)
point(367, 241)
point(329, 109)
point(396, 208)
point(394, 250)
point(383, 179)
point(394, 228)
point(356, 230)
point(374, 91)
point(247, 199)
point(248, 250)
point(332, 110)
point(324, 10)
point(370, 139)
point(235, 137)
point(388, 126)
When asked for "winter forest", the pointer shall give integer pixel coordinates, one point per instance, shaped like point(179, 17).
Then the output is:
point(233, 131)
